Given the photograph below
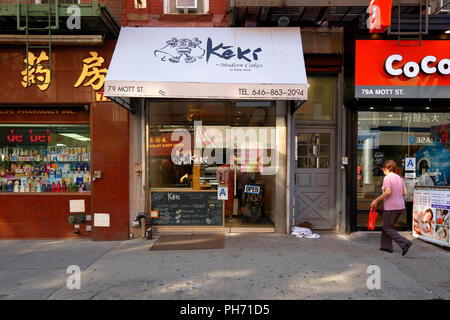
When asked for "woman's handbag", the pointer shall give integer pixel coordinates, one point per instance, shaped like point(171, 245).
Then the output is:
point(372, 218)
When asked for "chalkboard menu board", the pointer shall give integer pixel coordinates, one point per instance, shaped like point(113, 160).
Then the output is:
point(187, 208)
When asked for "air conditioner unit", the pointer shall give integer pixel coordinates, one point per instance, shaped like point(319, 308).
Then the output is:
point(186, 4)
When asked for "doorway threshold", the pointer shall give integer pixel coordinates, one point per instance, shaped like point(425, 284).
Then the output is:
point(251, 229)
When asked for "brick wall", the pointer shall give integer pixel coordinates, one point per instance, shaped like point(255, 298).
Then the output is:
point(153, 15)
point(218, 6)
point(126, 14)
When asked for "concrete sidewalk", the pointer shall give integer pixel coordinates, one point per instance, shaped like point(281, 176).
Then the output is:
point(252, 266)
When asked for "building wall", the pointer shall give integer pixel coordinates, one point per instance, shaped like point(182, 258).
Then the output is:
point(153, 15)
point(45, 216)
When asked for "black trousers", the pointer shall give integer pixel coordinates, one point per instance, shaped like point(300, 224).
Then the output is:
point(389, 233)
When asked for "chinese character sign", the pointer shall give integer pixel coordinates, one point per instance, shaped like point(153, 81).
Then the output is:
point(35, 72)
point(95, 77)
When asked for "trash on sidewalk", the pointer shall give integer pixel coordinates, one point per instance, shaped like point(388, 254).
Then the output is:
point(300, 232)
point(305, 224)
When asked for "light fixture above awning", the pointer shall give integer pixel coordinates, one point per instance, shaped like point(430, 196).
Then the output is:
point(208, 63)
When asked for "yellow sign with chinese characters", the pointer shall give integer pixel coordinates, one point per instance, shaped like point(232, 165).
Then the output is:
point(38, 72)
point(35, 73)
point(91, 70)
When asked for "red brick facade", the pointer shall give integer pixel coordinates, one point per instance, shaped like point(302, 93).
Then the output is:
point(153, 15)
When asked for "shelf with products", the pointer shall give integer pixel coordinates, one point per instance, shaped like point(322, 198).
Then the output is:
point(45, 158)
point(31, 170)
point(34, 161)
point(45, 154)
point(59, 177)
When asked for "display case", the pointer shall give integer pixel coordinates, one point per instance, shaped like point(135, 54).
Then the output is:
point(45, 158)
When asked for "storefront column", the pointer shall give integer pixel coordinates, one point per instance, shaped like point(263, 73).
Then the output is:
point(342, 223)
point(109, 127)
point(137, 167)
point(281, 176)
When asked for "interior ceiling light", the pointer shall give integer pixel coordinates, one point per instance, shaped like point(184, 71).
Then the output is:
point(75, 136)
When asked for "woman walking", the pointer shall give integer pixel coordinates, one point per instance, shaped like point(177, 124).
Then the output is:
point(393, 191)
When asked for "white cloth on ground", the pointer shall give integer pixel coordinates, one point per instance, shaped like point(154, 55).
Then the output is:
point(300, 232)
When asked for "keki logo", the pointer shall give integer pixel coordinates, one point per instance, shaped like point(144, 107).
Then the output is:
point(190, 51)
point(177, 50)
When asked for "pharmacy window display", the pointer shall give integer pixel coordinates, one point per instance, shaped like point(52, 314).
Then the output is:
point(44, 158)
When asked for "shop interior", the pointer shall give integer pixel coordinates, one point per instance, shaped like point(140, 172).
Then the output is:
point(201, 145)
point(417, 141)
point(44, 158)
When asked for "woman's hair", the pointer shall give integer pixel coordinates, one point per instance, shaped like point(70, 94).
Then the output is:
point(390, 165)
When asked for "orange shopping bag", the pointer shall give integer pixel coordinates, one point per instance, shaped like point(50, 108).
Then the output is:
point(372, 218)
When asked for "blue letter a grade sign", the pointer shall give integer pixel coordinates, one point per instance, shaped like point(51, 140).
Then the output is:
point(410, 164)
point(222, 193)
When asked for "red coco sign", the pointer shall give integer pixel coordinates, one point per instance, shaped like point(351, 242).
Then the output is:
point(411, 69)
point(383, 69)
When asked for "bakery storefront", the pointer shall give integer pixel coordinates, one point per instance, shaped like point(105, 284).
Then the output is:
point(60, 176)
point(218, 106)
point(402, 113)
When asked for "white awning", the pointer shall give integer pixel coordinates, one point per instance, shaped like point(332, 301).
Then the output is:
point(208, 63)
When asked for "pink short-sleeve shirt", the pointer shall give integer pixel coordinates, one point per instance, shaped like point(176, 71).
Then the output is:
point(395, 200)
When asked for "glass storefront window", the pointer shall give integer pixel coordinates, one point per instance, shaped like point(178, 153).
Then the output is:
point(419, 139)
point(45, 158)
point(200, 145)
point(320, 103)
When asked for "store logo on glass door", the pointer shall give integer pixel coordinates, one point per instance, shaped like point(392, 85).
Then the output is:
point(444, 133)
point(190, 50)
